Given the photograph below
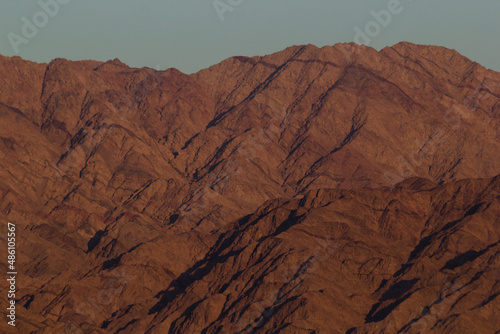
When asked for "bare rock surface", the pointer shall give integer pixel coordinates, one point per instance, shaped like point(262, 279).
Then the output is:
point(315, 190)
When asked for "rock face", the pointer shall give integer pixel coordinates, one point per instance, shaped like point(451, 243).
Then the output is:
point(421, 258)
point(315, 190)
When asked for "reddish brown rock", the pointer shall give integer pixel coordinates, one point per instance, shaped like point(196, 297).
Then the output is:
point(128, 187)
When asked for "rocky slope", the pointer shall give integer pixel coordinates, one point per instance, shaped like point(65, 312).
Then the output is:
point(129, 186)
point(421, 258)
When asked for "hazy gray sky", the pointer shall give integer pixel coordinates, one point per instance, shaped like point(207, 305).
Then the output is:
point(193, 34)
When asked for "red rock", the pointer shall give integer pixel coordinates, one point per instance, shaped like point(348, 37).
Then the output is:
point(367, 182)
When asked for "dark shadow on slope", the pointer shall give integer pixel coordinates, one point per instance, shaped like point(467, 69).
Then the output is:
point(195, 273)
point(189, 141)
point(94, 241)
point(393, 293)
point(488, 300)
point(199, 270)
point(173, 218)
point(29, 300)
point(463, 258)
point(185, 314)
point(426, 241)
point(423, 243)
point(109, 264)
point(131, 322)
point(233, 278)
point(292, 220)
point(473, 210)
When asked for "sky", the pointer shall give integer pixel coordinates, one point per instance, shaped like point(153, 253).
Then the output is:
point(194, 34)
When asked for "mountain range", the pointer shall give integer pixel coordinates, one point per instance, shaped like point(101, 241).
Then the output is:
point(314, 190)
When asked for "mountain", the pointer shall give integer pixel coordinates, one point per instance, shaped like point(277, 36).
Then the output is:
point(315, 190)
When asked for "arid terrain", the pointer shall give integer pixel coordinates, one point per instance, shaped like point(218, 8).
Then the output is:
point(315, 190)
